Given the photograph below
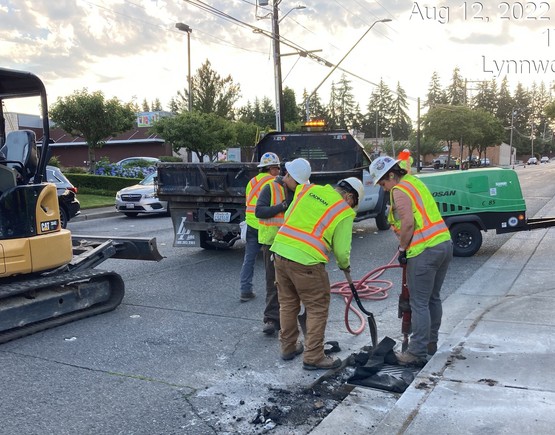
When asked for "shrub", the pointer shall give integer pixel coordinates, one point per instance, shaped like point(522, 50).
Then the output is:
point(138, 170)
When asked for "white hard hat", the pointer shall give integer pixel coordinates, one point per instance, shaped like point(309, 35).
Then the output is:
point(299, 169)
point(353, 185)
point(269, 159)
point(380, 167)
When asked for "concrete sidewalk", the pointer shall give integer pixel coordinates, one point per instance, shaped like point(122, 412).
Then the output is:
point(493, 372)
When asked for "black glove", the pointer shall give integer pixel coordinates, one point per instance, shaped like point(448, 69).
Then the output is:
point(402, 257)
point(284, 205)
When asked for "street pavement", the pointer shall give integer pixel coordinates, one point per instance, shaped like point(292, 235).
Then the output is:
point(493, 372)
point(493, 369)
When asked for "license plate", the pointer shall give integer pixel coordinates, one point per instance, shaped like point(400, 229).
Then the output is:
point(222, 216)
point(129, 205)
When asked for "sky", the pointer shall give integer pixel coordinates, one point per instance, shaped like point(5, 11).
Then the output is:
point(130, 49)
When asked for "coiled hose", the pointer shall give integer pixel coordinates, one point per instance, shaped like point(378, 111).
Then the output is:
point(369, 287)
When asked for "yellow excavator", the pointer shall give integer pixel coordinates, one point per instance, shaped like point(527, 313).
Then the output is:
point(47, 275)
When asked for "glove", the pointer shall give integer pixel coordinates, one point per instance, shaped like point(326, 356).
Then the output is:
point(284, 205)
point(402, 257)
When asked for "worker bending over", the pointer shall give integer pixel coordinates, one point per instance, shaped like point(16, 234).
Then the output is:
point(320, 219)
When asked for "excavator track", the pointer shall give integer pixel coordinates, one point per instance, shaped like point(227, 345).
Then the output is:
point(31, 305)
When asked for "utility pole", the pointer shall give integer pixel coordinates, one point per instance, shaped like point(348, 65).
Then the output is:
point(280, 125)
point(418, 137)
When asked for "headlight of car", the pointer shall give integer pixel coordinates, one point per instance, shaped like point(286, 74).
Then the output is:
point(118, 195)
point(150, 195)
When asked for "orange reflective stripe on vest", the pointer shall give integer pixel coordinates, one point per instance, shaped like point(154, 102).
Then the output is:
point(252, 191)
point(314, 236)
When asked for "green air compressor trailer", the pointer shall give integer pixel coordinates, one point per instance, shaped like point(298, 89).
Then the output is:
point(478, 200)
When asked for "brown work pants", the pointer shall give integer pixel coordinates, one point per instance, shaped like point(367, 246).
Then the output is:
point(309, 285)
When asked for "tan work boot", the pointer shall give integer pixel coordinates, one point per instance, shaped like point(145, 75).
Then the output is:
point(325, 363)
point(409, 359)
point(432, 347)
point(290, 355)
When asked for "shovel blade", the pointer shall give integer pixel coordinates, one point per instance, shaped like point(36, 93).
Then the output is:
point(373, 330)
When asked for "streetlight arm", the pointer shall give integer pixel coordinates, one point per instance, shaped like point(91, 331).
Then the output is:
point(385, 20)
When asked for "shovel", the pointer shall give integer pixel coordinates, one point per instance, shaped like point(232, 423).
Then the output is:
point(371, 320)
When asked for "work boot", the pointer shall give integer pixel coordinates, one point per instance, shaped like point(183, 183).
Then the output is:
point(432, 347)
point(409, 359)
point(326, 363)
point(298, 350)
point(245, 297)
point(269, 327)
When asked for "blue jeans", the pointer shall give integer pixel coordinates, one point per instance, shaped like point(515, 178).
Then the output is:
point(252, 247)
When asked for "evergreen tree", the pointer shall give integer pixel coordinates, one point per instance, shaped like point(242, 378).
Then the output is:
point(380, 112)
point(156, 105)
point(290, 113)
point(345, 105)
point(486, 97)
point(401, 123)
point(436, 95)
point(145, 106)
point(456, 92)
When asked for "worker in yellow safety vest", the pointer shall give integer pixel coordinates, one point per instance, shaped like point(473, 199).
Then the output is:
point(319, 220)
point(272, 202)
point(406, 160)
point(269, 167)
point(425, 247)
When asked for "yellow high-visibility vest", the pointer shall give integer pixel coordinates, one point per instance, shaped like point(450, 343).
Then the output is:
point(251, 192)
point(429, 227)
point(268, 228)
point(311, 219)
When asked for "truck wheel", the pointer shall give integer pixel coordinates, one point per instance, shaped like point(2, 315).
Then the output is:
point(467, 239)
point(381, 219)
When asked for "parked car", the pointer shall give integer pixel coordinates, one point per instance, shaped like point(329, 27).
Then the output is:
point(532, 161)
point(441, 162)
point(484, 161)
point(67, 195)
point(544, 159)
point(140, 198)
point(129, 161)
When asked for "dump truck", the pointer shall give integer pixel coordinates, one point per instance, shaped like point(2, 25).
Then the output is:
point(207, 200)
point(480, 200)
point(48, 276)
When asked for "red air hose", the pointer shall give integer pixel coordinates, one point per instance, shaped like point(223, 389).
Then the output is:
point(368, 287)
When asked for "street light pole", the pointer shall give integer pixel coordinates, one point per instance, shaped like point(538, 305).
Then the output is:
point(307, 102)
point(185, 28)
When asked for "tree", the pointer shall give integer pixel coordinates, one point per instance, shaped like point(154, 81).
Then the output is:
point(489, 130)
point(486, 97)
point(205, 134)
point(456, 92)
point(436, 95)
point(401, 123)
point(91, 116)
point(290, 113)
point(145, 107)
point(211, 93)
point(344, 103)
point(156, 105)
point(448, 123)
point(380, 112)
